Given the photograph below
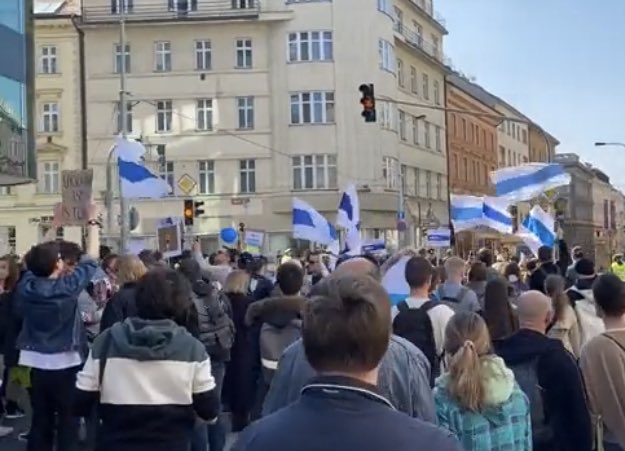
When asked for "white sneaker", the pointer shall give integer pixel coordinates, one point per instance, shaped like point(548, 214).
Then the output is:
point(5, 430)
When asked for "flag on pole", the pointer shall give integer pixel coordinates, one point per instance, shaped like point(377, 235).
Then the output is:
point(496, 215)
point(525, 182)
point(348, 217)
point(137, 181)
point(538, 230)
point(309, 224)
point(466, 212)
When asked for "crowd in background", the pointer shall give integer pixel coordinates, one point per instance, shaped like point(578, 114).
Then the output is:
point(488, 353)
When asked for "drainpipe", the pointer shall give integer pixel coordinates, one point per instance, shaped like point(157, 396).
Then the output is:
point(84, 157)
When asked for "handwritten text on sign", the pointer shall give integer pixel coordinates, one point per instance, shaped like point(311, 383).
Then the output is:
point(76, 192)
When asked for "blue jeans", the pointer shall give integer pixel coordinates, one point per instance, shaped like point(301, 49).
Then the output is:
point(212, 436)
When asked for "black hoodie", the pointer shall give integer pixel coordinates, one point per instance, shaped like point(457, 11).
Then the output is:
point(564, 396)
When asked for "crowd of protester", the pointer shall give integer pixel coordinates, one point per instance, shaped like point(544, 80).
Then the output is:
point(488, 353)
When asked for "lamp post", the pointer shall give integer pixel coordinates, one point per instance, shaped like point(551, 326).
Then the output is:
point(609, 144)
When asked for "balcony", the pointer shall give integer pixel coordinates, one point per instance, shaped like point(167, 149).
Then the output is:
point(172, 10)
point(426, 9)
point(416, 41)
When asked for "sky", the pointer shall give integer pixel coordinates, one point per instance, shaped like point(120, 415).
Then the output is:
point(557, 61)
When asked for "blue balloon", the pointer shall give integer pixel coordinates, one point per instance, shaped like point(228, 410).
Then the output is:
point(228, 235)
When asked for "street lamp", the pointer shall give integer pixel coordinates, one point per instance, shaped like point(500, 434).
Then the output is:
point(604, 144)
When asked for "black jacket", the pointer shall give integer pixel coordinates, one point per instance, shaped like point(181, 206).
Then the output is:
point(120, 306)
point(538, 277)
point(339, 413)
point(564, 395)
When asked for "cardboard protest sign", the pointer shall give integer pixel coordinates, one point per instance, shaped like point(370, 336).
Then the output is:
point(169, 236)
point(76, 192)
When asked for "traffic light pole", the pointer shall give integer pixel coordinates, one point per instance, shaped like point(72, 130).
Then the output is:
point(123, 112)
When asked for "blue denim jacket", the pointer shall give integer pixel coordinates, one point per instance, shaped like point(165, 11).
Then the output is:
point(49, 308)
point(404, 379)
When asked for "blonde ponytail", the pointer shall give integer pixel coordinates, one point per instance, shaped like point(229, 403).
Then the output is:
point(467, 340)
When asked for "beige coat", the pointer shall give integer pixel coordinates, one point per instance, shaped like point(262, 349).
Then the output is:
point(603, 366)
point(567, 330)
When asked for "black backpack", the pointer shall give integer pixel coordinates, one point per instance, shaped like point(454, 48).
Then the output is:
point(526, 375)
point(415, 325)
point(216, 328)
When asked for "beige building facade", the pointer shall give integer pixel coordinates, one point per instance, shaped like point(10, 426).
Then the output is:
point(257, 103)
point(26, 210)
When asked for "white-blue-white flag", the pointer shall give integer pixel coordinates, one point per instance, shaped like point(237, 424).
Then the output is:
point(394, 281)
point(348, 217)
point(136, 180)
point(466, 212)
point(496, 215)
point(309, 224)
point(538, 230)
point(525, 182)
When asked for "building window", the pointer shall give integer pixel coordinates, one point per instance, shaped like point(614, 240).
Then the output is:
point(399, 19)
point(426, 130)
point(50, 117)
point(243, 4)
point(502, 155)
point(118, 58)
point(244, 54)
point(203, 55)
point(485, 179)
point(49, 182)
point(390, 172)
point(387, 56)
point(415, 130)
point(162, 56)
point(314, 172)
point(400, 73)
point(437, 92)
point(435, 45)
point(207, 177)
point(245, 107)
point(165, 168)
point(464, 129)
point(385, 6)
point(164, 116)
point(118, 117)
point(48, 61)
point(117, 5)
point(310, 46)
point(182, 6)
point(417, 182)
point(402, 125)
point(524, 136)
point(509, 157)
point(465, 163)
point(426, 87)
point(456, 167)
point(438, 138)
point(247, 175)
point(428, 184)
point(484, 143)
point(312, 108)
point(204, 114)
point(414, 82)
point(388, 115)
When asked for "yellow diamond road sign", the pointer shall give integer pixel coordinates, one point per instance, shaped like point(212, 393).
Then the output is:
point(186, 183)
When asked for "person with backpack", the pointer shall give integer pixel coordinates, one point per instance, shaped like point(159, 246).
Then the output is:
point(549, 376)
point(280, 322)
point(603, 363)
point(215, 331)
point(477, 278)
point(420, 320)
point(583, 301)
point(452, 292)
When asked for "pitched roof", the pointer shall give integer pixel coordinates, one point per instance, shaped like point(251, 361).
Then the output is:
point(56, 7)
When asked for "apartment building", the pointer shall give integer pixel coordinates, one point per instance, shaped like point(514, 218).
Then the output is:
point(542, 146)
point(26, 210)
point(472, 142)
point(248, 104)
point(608, 219)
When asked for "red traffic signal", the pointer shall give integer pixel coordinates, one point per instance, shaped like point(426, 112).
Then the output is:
point(368, 102)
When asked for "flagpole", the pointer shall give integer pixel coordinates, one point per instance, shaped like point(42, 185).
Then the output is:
point(123, 111)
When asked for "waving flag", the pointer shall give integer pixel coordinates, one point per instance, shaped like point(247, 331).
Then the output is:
point(525, 182)
point(394, 281)
point(496, 215)
point(466, 212)
point(348, 217)
point(137, 181)
point(537, 230)
point(309, 224)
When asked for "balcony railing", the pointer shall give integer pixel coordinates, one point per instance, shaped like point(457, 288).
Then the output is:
point(426, 7)
point(416, 40)
point(172, 10)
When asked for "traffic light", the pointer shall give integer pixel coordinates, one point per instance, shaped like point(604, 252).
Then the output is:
point(188, 212)
point(198, 210)
point(368, 102)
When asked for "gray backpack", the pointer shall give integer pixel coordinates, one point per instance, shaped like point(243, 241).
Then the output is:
point(453, 302)
point(273, 342)
point(526, 375)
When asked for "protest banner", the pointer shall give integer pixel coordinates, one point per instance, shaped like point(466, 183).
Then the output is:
point(169, 236)
point(76, 192)
point(253, 241)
